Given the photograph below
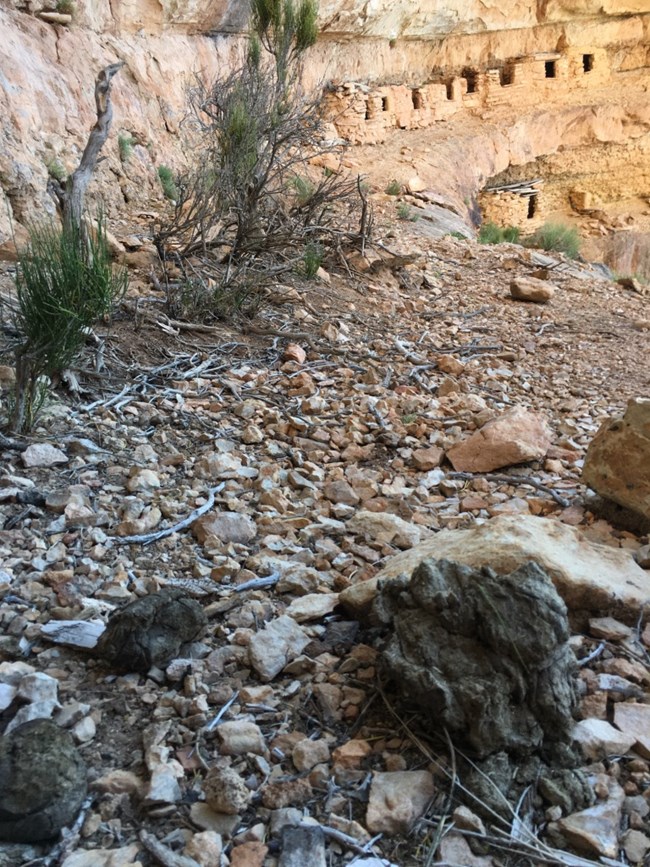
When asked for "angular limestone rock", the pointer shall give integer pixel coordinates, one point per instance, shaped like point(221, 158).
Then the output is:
point(150, 631)
point(384, 527)
point(595, 831)
point(225, 526)
point(276, 645)
point(485, 656)
point(617, 465)
point(42, 782)
point(514, 437)
point(592, 579)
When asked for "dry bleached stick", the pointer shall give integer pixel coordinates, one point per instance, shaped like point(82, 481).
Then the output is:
point(73, 197)
point(514, 480)
point(147, 538)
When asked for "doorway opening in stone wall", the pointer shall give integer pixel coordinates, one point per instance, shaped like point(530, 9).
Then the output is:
point(549, 69)
point(416, 98)
point(450, 89)
point(471, 77)
point(532, 207)
point(385, 104)
point(587, 62)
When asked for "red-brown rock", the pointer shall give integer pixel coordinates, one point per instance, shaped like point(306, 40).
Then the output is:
point(513, 438)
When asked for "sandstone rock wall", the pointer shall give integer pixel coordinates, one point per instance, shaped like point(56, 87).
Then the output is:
point(47, 105)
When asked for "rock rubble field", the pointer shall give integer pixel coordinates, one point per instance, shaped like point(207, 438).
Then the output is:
point(212, 651)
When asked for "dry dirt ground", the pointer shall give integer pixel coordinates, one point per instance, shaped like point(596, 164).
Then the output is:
point(417, 351)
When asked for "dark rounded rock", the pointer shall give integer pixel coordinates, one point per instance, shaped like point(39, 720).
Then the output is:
point(150, 631)
point(42, 782)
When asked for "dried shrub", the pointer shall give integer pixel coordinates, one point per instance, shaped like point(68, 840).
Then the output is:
point(252, 204)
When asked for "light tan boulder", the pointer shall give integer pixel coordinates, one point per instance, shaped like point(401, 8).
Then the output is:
point(512, 438)
point(532, 289)
point(387, 529)
point(617, 465)
point(592, 579)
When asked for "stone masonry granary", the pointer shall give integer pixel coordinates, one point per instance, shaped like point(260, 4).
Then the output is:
point(365, 114)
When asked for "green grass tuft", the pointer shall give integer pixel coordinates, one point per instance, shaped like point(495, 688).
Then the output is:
point(393, 189)
point(556, 237)
point(405, 212)
point(125, 144)
point(312, 259)
point(167, 182)
point(490, 233)
point(303, 189)
point(56, 170)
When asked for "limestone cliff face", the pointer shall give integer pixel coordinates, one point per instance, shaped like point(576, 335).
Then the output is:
point(47, 69)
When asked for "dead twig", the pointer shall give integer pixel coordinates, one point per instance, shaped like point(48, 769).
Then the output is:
point(147, 538)
point(14, 445)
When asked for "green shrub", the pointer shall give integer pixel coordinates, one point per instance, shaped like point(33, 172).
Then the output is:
point(490, 233)
point(167, 182)
point(393, 189)
point(56, 170)
point(65, 7)
point(312, 259)
point(556, 237)
point(303, 189)
point(405, 212)
point(64, 283)
point(125, 144)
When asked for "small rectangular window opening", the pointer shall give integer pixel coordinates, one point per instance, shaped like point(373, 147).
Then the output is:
point(549, 69)
point(416, 97)
point(368, 114)
point(587, 62)
point(384, 103)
